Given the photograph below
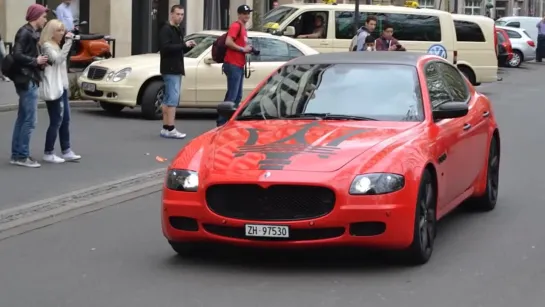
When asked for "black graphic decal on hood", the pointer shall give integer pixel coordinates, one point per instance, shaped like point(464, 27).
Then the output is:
point(278, 154)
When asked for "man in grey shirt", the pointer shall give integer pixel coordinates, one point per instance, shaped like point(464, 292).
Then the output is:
point(363, 32)
point(540, 50)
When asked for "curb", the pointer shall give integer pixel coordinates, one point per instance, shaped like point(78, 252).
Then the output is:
point(27, 217)
point(41, 105)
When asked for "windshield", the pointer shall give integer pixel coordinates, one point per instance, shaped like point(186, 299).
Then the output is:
point(278, 15)
point(203, 43)
point(330, 91)
point(500, 22)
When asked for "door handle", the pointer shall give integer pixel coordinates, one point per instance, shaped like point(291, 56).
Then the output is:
point(467, 127)
point(486, 113)
point(324, 44)
point(252, 69)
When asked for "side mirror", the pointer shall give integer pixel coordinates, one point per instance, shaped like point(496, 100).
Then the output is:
point(209, 61)
point(226, 109)
point(290, 31)
point(83, 23)
point(450, 110)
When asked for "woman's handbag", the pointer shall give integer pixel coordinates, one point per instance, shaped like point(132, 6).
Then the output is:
point(51, 87)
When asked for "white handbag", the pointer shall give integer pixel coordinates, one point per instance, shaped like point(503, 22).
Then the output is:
point(51, 87)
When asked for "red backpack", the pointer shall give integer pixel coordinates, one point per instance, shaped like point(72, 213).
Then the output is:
point(219, 49)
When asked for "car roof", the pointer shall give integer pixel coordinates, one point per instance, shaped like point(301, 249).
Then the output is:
point(518, 17)
point(471, 17)
point(510, 28)
point(395, 58)
point(366, 8)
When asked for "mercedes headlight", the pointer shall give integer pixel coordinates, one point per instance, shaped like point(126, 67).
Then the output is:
point(182, 180)
point(376, 183)
point(119, 75)
point(86, 71)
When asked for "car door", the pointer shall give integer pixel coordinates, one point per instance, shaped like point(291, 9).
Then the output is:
point(475, 130)
point(304, 24)
point(449, 144)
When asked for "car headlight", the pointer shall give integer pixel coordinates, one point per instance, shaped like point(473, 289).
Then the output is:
point(182, 180)
point(86, 71)
point(376, 183)
point(120, 75)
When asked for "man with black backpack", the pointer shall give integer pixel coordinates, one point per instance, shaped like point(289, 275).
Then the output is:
point(236, 47)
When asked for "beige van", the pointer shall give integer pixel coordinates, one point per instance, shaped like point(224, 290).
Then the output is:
point(476, 48)
point(418, 30)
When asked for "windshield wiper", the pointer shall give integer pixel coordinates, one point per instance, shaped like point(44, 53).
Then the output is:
point(256, 117)
point(326, 116)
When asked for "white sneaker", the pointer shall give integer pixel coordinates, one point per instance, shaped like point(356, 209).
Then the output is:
point(174, 134)
point(28, 162)
point(71, 156)
point(53, 158)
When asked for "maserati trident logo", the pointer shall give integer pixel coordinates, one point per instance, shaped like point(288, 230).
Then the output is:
point(267, 175)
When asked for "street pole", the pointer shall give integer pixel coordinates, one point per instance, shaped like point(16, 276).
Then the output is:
point(357, 16)
point(540, 8)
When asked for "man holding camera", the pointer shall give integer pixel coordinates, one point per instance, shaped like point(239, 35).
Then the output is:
point(235, 57)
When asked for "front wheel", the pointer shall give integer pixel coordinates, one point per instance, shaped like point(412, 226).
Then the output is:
point(425, 223)
point(152, 98)
point(111, 108)
point(186, 249)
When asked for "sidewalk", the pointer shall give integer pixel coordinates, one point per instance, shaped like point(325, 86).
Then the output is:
point(112, 147)
point(9, 99)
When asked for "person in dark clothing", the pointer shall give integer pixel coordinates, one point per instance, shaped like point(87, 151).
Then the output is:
point(28, 63)
point(172, 47)
point(540, 50)
point(387, 42)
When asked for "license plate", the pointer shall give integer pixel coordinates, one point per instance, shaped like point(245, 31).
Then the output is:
point(267, 231)
point(91, 87)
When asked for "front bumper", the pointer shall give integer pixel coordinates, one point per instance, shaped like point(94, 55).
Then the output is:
point(384, 221)
point(118, 93)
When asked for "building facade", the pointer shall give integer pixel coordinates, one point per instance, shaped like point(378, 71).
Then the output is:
point(135, 23)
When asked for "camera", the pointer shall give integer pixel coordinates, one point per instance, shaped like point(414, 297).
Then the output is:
point(255, 51)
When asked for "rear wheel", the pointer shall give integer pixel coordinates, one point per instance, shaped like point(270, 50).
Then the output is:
point(425, 223)
point(470, 75)
point(488, 201)
point(516, 60)
point(151, 100)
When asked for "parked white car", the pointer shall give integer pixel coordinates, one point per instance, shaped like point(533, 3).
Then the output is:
point(522, 22)
point(524, 48)
point(135, 81)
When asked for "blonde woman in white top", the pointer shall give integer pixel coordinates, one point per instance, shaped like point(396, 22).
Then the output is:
point(54, 90)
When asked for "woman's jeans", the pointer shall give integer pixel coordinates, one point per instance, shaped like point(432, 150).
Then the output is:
point(59, 122)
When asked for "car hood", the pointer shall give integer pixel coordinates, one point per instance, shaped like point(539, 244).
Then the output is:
point(143, 61)
point(321, 146)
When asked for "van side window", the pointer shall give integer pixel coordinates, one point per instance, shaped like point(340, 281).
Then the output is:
point(306, 23)
point(467, 31)
point(407, 27)
point(514, 24)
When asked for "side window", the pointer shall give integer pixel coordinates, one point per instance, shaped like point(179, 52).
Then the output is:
point(467, 31)
point(436, 85)
point(454, 81)
point(306, 23)
point(274, 50)
point(513, 34)
point(514, 24)
point(407, 27)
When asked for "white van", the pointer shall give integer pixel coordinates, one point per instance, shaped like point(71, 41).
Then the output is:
point(476, 46)
point(524, 22)
point(418, 30)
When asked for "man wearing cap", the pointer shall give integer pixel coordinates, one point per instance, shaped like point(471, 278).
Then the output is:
point(235, 57)
point(28, 63)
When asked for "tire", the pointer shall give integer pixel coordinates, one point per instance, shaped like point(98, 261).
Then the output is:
point(487, 202)
point(186, 249)
point(111, 108)
point(469, 75)
point(425, 223)
point(517, 59)
point(151, 100)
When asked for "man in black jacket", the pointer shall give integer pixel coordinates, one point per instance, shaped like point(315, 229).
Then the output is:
point(172, 47)
point(26, 76)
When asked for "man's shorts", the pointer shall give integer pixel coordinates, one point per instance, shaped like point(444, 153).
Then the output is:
point(173, 84)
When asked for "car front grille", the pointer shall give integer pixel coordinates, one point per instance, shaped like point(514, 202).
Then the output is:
point(96, 73)
point(275, 203)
